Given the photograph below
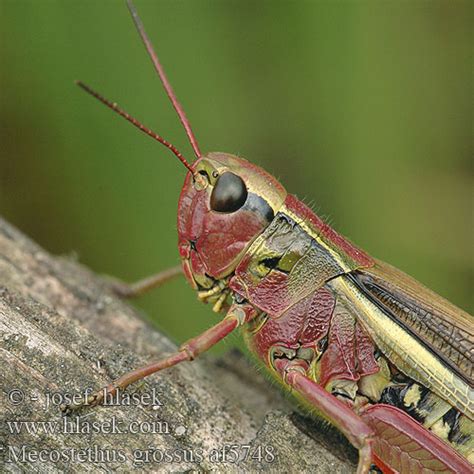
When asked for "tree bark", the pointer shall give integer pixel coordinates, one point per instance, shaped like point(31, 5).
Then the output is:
point(62, 331)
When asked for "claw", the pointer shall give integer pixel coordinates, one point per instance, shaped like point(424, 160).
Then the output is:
point(118, 287)
point(87, 401)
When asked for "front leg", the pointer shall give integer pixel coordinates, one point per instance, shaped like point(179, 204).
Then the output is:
point(133, 290)
point(238, 314)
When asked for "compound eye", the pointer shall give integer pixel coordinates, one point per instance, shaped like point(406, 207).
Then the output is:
point(229, 193)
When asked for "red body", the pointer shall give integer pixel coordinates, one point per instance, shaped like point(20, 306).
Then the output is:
point(283, 268)
point(313, 306)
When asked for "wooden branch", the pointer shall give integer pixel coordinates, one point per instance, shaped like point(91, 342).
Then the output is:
point(62, 331)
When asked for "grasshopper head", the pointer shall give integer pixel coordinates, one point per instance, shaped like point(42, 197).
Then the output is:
point(223, 207)
point(225, 203)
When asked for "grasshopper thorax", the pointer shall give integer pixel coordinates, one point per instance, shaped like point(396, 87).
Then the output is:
point(221, 213)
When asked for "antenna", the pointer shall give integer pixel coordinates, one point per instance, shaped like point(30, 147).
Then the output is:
point(140, 126)
point(161, 73)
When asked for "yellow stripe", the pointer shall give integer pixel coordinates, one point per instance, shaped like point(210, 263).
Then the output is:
point(311, 231)
point(404, 351)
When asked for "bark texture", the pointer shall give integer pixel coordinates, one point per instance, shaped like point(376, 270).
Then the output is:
point(62, 331)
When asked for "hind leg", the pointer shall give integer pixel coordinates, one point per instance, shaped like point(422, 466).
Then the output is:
point(356, 430)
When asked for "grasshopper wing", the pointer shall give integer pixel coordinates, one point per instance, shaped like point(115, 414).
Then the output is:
point(440, 326)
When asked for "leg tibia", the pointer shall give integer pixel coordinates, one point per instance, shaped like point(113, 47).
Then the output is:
point(187, 352)
point(132, 290)
point(334, 410)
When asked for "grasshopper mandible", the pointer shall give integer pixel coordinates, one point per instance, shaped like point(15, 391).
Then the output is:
point(375, 353)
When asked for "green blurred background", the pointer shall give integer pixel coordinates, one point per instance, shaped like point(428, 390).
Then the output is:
point(362, 108)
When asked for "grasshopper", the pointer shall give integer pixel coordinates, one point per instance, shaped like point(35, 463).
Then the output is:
point(358, 342)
